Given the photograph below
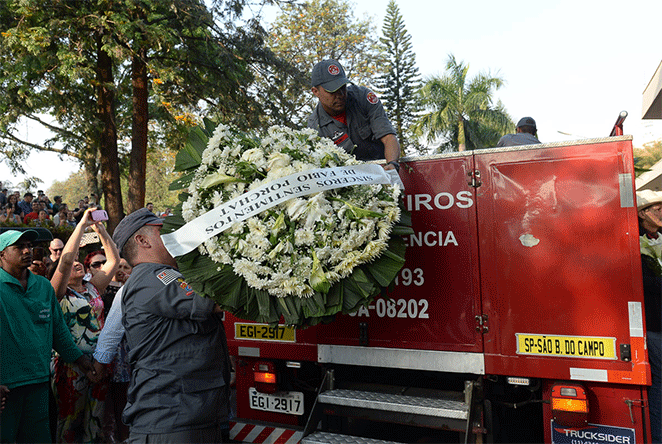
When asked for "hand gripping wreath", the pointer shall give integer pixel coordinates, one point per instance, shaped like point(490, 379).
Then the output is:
point(304, 258)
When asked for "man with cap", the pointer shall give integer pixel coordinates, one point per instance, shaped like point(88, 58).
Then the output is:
point(352, 116)
point(649, 210)
point(177, 346)
point(31, 325)
point(526, 134)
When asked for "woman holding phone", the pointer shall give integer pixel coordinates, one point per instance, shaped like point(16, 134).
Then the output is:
point(81, 402)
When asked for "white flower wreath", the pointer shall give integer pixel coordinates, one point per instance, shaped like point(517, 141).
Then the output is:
point(298, 249)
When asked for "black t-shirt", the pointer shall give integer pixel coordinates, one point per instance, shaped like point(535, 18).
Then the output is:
point(652, 293)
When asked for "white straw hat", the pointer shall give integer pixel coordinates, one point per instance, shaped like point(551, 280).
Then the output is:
point(646, 198)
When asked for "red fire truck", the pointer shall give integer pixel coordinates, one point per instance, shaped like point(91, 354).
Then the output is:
point(518, 316)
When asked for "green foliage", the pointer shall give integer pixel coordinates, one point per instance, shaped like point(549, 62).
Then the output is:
point(400, 81)
point(647, 156)
point(160, 172)
point(72, 189)
point(197, 58)
point(459, 113)
point(305, 33)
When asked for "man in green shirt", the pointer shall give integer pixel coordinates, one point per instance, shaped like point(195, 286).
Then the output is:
point(31, 325)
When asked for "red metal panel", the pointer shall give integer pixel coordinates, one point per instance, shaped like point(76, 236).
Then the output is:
point(581, 266)
point(436, 297)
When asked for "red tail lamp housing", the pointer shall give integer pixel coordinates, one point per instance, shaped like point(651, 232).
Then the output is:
point(569, 404)
point(264, 376)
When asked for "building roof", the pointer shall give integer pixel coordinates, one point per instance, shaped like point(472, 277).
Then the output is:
point(652, 97)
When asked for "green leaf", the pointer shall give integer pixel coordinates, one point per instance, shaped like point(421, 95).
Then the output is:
point(217, 179)
point(210, 126)
point(190, 156)
point(263, 302)
point(401, 230)
point(318, 279)
point(352, 300)
point(405, 216)
point(172, 223)
point(334, 297)
point(182, 182)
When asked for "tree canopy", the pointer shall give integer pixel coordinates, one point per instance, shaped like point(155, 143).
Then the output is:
point(304, 34)
point(400, 81)
point(160, 173)
point(114, 76)
point(459, 112)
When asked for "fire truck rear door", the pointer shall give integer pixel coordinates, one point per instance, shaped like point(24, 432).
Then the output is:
point(560, 265)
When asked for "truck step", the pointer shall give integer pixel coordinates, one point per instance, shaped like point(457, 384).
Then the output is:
point(415, 405)
point(332, 438)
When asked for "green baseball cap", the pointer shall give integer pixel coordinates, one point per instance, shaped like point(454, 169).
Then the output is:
point(10, 237)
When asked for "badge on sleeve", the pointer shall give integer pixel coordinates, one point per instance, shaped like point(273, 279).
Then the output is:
point(372, 97)
point(168, 275)
point(186, 287)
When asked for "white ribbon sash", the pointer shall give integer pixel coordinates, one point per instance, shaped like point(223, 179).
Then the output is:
point(194, 233)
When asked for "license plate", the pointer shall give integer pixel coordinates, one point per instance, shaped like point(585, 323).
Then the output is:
point(263, 332)
point(282, 402)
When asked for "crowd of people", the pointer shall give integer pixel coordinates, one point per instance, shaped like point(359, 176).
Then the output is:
point(40, 211)
point(76, 392)
point(70, 301)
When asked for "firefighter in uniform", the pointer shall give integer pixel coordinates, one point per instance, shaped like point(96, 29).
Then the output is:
point(177, 346)
point(352, 116)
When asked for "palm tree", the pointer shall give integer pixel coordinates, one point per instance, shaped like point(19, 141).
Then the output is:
point(461, 114)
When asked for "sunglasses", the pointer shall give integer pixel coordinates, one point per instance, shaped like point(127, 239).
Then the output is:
point(57, 249)
point(97, 264)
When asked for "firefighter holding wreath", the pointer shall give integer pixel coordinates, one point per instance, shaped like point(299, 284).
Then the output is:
point(352, 116)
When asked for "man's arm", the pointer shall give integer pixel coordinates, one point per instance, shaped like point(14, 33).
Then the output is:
point(112, 332)
point(391, 150)
point(380, 125)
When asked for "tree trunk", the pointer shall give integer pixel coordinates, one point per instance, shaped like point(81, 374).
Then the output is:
point(461, 138)
point(109, 162)
point(138, 164)
point(91, 169)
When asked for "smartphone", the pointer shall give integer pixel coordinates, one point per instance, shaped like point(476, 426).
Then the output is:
point(38, 253)
point(99, 215)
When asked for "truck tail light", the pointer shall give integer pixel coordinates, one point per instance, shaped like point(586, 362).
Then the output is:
point(569, 404)
point(264, 376)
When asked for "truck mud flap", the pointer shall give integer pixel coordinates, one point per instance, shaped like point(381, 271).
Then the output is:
point(263, 434)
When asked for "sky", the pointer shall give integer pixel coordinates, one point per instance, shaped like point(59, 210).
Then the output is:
point(571, 65)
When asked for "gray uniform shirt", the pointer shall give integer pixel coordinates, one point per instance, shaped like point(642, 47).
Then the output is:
point(518, 139)
point(177, 351)
point(366, 124)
